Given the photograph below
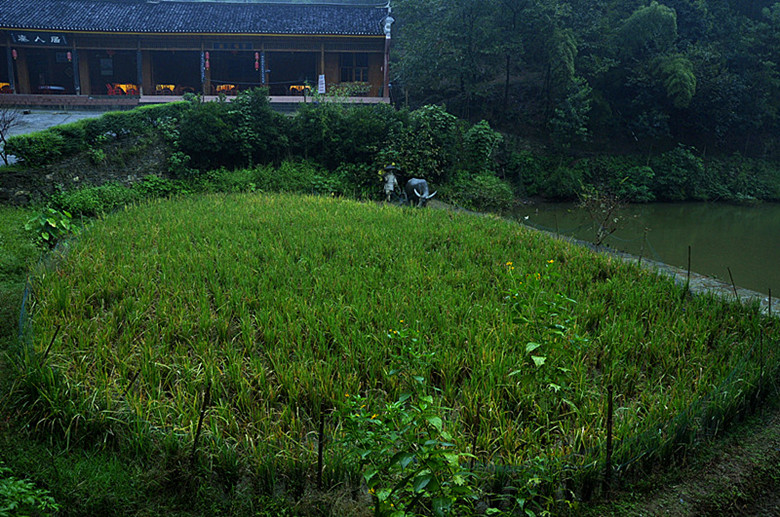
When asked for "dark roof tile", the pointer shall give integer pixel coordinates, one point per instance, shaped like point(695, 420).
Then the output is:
point(190, 17)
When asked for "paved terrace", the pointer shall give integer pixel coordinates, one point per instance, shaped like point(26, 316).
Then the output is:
point(108, 102)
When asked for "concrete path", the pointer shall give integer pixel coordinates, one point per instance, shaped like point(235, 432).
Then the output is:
point(32, 120)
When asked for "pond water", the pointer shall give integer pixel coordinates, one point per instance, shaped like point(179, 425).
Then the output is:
point(744, 239)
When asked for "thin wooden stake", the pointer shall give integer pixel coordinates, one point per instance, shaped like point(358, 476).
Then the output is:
point(608, 464)
point(688, 281)
point(474, 434)
point(203, 407)
point(733, 285)
point(132, 381)
point(48, 348)
point(320, 445)
point(770, 301)
point(642, 248)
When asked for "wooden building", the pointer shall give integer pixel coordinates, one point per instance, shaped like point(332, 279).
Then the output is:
point(155, 49)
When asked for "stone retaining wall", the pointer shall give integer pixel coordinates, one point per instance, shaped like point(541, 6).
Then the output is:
point(125, 163)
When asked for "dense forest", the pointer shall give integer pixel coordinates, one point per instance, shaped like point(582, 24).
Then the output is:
point(616, 75)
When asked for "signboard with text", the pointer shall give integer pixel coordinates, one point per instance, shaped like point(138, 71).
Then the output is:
point(38, 38)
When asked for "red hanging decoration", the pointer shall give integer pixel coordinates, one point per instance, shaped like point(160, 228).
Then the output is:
point(14, 54)
point(257, 61)
point(207, 61)
point(69, 56)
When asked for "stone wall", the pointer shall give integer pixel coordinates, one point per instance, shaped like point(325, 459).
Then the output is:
point(125, 162)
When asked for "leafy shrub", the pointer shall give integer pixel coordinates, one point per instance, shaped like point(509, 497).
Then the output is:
point(91, 201)
point(562, 182)
point(35, 149)
point(206, 135)
point(49, 226)
point(358, 180)
point(51, 145)
point(292, 177)
point(224, 180)
point(97, 156)
point(527, 170)
point(119, 124)
point(620, 176)
point(428, 147)
point(635, 185)
point(177, 165)
point(74, 137)
point(152, 186)
point(737, 178)
point(679, 175)
point(480, 143)
point(407, 457)
point(260, 132)
point(481, 192)
point(332, 134)
point(20, 497)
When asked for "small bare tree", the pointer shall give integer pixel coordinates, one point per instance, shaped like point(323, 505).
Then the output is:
point(603, 207)
point(9, 118)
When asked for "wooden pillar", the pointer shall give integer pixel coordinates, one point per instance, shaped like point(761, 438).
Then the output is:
point(322, 58)
point(205, 74)
point(147, 70)
point(263, 65)
point(386, 69)
point(139, 70)
point(23, 75)
point(74, 55)
point(10, 60)
point(83, 71)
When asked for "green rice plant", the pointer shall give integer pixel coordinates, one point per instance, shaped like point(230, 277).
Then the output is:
point(279, 303)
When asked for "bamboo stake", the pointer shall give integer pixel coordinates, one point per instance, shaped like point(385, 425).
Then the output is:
point(608, 464)
point(320, 445)
point(132, 381)
point(474, 434)
point(48, 348)
point(688, 280)
point(203, 408)
point(733, 285)
point(770, 301)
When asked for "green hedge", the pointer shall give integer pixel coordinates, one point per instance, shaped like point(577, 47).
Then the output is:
point(53, 144)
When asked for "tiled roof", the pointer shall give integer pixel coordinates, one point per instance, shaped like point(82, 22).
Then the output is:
point(190, 17)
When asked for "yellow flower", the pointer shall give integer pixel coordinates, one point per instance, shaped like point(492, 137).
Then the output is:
point(346, 394)
point(509, 263)
point(550, 261)
point(371, 491)
point(374, 416)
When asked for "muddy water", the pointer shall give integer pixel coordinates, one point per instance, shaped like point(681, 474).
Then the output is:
point(744, 239)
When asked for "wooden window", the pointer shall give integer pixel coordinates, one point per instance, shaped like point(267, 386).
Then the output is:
point(354, 67)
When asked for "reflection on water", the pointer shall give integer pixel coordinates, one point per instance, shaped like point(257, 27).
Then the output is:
point(745, 239)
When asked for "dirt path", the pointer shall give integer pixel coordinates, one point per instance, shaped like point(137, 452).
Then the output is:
point(736, 475)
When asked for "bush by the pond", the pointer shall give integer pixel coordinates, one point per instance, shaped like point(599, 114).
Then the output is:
point(483, 192)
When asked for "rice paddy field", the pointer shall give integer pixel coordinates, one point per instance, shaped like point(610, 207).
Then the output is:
point(240, 327)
